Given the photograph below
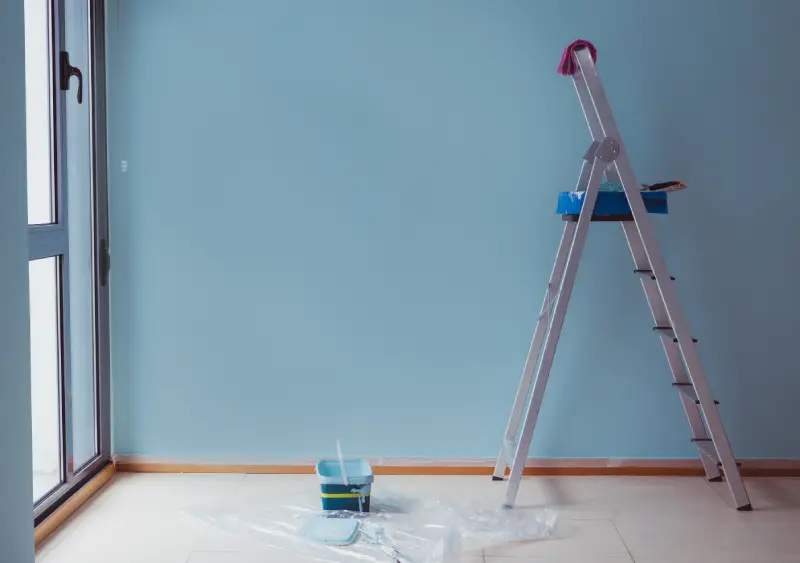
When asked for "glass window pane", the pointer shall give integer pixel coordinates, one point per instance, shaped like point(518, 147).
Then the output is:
point(80, 206)
point(38, 104)
point(45, 375)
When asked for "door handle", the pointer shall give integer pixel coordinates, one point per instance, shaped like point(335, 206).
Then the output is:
point(67, 72)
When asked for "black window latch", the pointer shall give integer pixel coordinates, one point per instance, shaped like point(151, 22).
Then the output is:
point(105, 262)
point(67, 72)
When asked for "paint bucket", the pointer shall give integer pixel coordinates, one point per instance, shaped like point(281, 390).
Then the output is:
point(352, 496)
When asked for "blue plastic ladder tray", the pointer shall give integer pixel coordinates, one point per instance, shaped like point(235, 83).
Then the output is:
point(610, 203)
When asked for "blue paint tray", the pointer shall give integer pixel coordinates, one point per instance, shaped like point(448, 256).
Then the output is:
point(610, 203)
point(331, 531)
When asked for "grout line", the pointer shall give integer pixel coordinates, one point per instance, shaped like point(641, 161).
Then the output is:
point(622, 540)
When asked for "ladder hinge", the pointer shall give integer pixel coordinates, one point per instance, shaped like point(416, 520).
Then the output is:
point(591, 152)
point(608, 150)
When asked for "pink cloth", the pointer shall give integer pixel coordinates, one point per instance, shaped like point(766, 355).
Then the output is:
point(568, 67)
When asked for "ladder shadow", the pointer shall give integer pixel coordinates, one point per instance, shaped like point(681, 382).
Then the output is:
point(766, 494)
point(554, 494)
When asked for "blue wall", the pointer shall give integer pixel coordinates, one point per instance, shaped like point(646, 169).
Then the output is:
point(337, 221)
point(16, 516)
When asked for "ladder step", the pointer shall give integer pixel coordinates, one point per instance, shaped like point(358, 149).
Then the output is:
point(649, 274)
point(706, 447)
point(688, 390)
point(667, 331)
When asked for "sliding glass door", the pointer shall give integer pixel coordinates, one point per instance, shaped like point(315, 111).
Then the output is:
point(68, 242)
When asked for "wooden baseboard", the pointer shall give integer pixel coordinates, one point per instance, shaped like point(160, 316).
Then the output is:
point(57, 518)
point(535, 467)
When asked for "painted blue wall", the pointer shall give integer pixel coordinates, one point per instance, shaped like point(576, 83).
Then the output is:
point(16, 516)
point(337, 222)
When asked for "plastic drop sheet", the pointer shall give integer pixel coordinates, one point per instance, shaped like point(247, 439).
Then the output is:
point(399, 529)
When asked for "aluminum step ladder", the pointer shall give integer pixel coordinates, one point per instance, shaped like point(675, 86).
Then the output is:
point(607, 155)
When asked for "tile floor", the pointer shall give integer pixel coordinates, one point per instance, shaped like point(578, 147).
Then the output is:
point(146, 518)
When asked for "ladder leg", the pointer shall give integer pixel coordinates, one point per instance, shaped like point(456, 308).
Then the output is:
point(697, 378)
point(507, 447)
point(551, 342)
point(603, 117)
point(660, 318)
point(542, 324)
point(680, 327)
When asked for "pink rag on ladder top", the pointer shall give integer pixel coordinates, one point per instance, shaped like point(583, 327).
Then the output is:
point(567, 67)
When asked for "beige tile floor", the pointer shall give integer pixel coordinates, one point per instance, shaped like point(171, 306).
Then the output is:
point(144, 518)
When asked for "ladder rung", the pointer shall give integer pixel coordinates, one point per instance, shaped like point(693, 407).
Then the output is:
point(667, 331)
point(706, 447)
point(649, 274)
point(688, 390)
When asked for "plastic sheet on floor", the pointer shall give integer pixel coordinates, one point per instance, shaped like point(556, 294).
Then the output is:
point(398, 529)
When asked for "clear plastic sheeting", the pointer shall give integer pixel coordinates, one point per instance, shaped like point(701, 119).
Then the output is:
point(398, 529)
